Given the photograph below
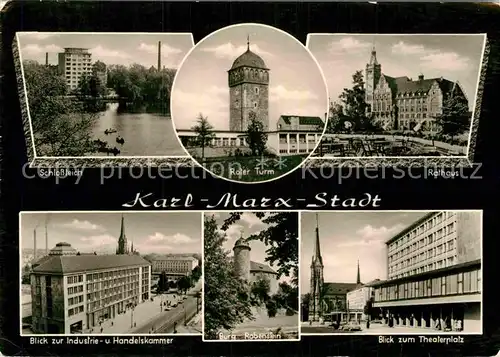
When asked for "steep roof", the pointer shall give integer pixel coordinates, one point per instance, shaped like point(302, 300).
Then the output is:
point(303, 120)
point(339, 288)
point(403, 85)
point(249, 59)
point(259, 267)
point(85, 263)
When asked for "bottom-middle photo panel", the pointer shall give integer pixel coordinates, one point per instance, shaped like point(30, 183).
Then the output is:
point(251, 277)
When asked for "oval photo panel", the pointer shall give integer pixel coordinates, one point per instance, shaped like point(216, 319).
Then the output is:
point(249, 103)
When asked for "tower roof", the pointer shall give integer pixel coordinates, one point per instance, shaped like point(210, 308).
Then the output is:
point(249, 59)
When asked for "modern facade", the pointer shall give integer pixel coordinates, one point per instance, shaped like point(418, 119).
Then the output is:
point(174, 266)
point(434, 273)
point(400, 103)
point(72, 293)
point(251, 271)
point(74, 63)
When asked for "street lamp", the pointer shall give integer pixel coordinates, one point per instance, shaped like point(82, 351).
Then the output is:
point(184, 307)
point(132, 318)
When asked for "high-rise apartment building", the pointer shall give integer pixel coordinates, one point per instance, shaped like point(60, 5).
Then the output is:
point(74, 63)
point(434, 273)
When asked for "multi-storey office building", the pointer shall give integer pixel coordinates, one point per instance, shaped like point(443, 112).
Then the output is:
point(174, 266)
point(434, 273)
point(74, 63)
point(72, 293)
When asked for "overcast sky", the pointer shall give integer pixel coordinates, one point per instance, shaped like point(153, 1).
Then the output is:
point(157, 232)
point(346, 237)
point(454, 57)
point(112, 49)
point(248, 224)
point(296, 84)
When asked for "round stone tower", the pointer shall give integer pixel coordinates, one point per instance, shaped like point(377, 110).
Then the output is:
point(241, 251)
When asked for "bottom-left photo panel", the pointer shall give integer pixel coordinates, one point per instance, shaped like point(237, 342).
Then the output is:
point(110, 273)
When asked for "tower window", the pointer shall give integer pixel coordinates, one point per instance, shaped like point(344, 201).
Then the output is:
point(255, 104)
point(256, 90)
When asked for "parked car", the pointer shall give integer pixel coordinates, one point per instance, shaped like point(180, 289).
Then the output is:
point(351, 326)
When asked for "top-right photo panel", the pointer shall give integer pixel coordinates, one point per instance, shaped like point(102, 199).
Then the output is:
point(412, 96)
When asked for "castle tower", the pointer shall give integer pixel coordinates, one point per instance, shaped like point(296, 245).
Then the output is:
point(372, 75)
point(316, 279)
point(248, 81)
point(241, 251)
point(122, 240)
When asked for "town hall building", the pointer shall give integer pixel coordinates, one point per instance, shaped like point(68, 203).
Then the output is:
point(401, 103)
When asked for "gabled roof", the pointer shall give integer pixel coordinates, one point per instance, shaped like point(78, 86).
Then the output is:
point(339, 288)
point(86, 263)
point(259, 267)
point(303, 120)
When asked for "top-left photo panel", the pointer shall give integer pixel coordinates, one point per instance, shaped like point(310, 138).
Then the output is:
point(94, 98)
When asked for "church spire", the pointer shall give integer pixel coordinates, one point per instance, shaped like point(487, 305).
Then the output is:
point(317, 250)
point(122, 240)
point(248, 42)
point(358, 279)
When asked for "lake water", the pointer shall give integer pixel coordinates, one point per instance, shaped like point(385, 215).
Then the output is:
point(145, 134)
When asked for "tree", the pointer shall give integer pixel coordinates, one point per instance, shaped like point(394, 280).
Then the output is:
point(281, 238)
point(288, 296)
point(260, 290)
point(256, 137)
point(196, 273)
point(204, 133)
point(61, 126)
point(336, 119)
point(226, 296)
point(354, 105)
point(455, 117)
point(163, 284)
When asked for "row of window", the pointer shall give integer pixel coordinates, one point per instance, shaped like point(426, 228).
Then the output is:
point(116, 284)
point(443, 263)
point(75, 310)
point(435, 238)
point(91, 296)
point(429, 224)
point(416, 255)
point(75, 279)
point(111, 299)
point(112, 274)
point(422, 260)
point(461, 283)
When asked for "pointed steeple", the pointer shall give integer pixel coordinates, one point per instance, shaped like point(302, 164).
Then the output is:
point(248, 42)
point(358, 279)
point(317, 250)
point(122, 240)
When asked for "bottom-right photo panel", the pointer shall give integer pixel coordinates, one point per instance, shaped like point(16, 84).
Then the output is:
point(391, 272)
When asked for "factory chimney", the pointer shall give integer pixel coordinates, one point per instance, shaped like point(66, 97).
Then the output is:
point(46, 58)
point(34, 244)
point(159, 56)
